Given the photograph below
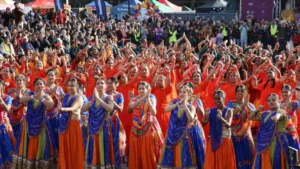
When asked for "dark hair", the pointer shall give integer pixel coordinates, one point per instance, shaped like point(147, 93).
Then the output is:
point(100, 78)
point(113, 79)
point(108, 59)
point(145, 84)
point(272, 80)
point(197, 72)
point(73, 80)
point(243, 87)
point(50, 70)
point(189, 84)
point(189, 88)
point(81, 87)
point(119, 76)
point(221, 93)
point(12, 70)
point(273, 94)
point(38, 79)
point(88, 58)
point(287, 87)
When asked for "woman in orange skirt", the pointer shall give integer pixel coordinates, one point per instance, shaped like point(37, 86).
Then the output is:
point(146, 137)
point(220, 150)
point(71, 147)
point(33, 148)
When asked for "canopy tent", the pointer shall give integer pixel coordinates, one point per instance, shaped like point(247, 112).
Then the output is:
point(174, 7)
point(92, 6)
point(8, 3)
point(43, 4)
point(163, 8)
point(185, 8)
point(122, 9)
point(216, 5)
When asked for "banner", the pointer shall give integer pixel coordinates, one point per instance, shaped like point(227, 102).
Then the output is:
point(260, 9)
point(58, 5)
point(101, 9)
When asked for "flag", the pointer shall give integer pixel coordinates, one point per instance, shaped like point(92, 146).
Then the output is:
point(101, 9)
point(58, 5)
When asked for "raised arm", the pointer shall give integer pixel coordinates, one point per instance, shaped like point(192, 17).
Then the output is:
point(152, 106)
point(171, 106)
point(133, 104)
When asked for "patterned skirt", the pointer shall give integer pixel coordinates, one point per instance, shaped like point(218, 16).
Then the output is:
point(33, 152)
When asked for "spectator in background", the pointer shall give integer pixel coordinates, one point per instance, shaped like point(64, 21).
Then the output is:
point(258, 32)
point(50, 14)
point(61, 17)
point(18, 15)
point(282, 33)
point(44, 43)
point(172, 35)
point(236, 34)
point(52, 38)
point(26, 45)
point(219, 37)
point(273, 32)
point(158, 33)
point(181, 29)
point(144, 32)
point(7, 48)
point(65, 38)
point(7, 16)
point(225, 31)
point(244, 35)
point(207, 30)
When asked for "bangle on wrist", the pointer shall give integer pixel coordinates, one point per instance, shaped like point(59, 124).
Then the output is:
point(31, 97)
point(204, 121)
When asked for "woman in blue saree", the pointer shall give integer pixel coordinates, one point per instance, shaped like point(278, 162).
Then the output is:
point(33, 147)
point(179, 150)
point(103, 141)
point(52, 117)
point(70, 140)
point(220, 151)
point(272, 143)
point(196, 131)
point(6, 133)
point(112, 84)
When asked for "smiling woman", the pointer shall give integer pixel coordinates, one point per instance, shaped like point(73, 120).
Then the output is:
point(146, 135)
point(33, 147)
point(271, 149)
point(220, 151)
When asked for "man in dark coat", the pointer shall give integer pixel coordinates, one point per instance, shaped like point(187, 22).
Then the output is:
point(19, 14)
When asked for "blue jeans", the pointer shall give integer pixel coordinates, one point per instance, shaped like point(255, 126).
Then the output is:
point(236, 41)
point(244, 41)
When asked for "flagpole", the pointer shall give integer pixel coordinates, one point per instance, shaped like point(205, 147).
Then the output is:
point(128, 7)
